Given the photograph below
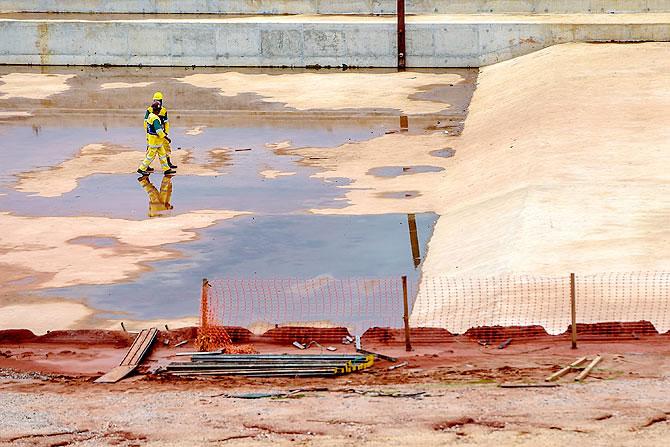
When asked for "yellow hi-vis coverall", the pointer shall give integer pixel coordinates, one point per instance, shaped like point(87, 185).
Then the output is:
point(163, 116)
point(155, 140)
point(159, 202)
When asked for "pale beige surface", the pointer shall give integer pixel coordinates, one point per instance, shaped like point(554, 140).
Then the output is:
point(101, 159)
point(43, 317)
point(14, 114)
point(562, 167)
point(273, 174)
point(40, 317)
point(115, 85)
point(33, 85)
point(333, 91)
point(364, 193)
point(197, 130)
point(44, 245)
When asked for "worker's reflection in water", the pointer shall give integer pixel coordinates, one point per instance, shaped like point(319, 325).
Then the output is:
point(159, 201)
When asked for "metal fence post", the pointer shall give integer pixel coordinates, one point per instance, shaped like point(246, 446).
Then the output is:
point(204, 305)
point(408, 344)
point(573, 311)
point(400, 12)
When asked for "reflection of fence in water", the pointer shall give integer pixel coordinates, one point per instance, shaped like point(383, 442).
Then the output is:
point(608, 303)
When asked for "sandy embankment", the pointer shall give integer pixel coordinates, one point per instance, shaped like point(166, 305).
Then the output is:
point(562, 167)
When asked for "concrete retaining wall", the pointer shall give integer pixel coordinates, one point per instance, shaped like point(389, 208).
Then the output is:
point(436, 42)
point(333, 6)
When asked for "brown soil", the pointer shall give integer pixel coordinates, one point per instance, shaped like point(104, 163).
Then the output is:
point(447, 393)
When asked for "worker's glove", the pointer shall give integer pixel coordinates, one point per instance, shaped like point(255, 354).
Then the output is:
point(168, 139)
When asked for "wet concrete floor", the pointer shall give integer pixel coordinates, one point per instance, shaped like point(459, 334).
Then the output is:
point(74, 153)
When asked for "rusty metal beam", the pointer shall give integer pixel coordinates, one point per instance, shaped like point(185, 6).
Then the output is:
point(400, 12)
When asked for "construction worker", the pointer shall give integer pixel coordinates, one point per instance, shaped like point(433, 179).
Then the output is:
point(159, 201)
point(163, 115)
point(155, 143)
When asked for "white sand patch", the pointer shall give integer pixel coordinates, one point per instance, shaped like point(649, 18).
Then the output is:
point(15, 114)
point(101, 159)
point(273, 174)
point(279, 145)
point(115, 85)
point(33, 85)
point(42, 317)
point(334, 90)
point(43, 244)
point(197, 130)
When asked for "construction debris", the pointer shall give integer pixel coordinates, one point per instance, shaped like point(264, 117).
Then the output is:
point(558, 374)
point(399, 365)
point(133, 357)
point(380, 393)
point(378, 355)
point(184, 354)
point(582, 375)
point(576, 365)
point(270, 365)
point(181, 343)
point(299, 345)
point(505, 344)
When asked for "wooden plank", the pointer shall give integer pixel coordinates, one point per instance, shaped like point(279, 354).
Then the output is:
point(133, 357)
point(116, 374)
point(135, 347)
point(582, 375)
point(143, 347)
point(558, 374)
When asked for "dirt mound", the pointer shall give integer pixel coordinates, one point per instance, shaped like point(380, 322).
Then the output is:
point(16, 336)
point(87, 337)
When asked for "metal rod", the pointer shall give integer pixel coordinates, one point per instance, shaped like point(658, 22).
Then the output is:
point(204, 305)
point(277, 357)
point(408, 343)
point(573, 311)
point(400, 12)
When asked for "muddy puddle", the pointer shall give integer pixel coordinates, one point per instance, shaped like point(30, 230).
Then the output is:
point(241, 203)
point(297, 246)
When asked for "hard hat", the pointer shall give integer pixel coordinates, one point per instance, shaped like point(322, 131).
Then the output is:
point(158, 96)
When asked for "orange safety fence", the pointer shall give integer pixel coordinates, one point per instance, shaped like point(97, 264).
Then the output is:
point(490, 308)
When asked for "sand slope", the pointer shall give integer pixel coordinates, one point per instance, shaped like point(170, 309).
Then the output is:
point(562, 167)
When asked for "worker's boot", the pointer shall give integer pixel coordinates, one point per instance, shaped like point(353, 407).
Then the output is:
point(169, 172)
point(150, 169)
point(170, 164)
point(143, 173)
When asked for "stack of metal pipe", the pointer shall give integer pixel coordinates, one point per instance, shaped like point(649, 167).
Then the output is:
point(270, 365)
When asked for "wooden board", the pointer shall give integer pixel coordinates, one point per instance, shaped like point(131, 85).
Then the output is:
point(117, 373)
point(133, 357)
